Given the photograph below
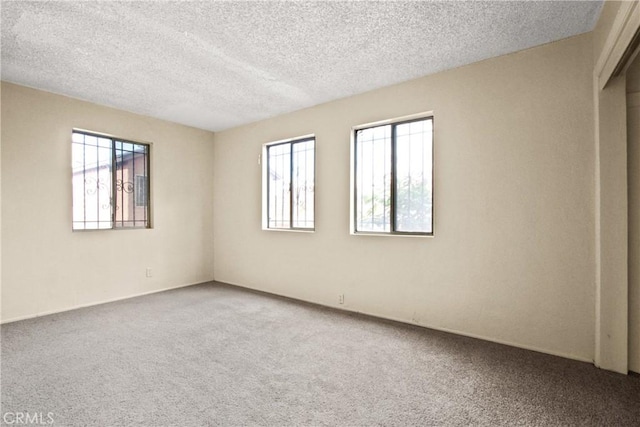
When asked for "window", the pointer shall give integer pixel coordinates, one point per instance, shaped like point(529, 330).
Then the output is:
point(393, 176)
point(290, 185)
point(110, 182)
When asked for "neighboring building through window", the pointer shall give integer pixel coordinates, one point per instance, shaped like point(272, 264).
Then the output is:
point(140, 190)
point(110, 182)
point(393, 176)
point(289, 194)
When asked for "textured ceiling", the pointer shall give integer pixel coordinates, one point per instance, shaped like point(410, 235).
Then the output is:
point(215, 65)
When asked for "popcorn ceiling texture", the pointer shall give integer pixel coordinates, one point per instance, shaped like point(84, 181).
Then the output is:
point(216, 65)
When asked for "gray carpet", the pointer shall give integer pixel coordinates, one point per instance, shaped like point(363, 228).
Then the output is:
point(213, 354)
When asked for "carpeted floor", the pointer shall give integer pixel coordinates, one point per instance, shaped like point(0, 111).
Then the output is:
point(213, 354)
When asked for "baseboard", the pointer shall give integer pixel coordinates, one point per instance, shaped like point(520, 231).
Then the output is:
point(422, 325)
point(46, 313)
point(333, 307)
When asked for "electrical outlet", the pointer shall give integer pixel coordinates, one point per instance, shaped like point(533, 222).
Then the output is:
point(149, 272)
point(341, 298)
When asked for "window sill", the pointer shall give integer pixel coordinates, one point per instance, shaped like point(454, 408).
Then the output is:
point(89, 230)
point(372, 234)
point(291, 230)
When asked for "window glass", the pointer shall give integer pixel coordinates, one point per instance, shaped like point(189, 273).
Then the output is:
point(393, 177)
point(291, 184)
point(107, 196)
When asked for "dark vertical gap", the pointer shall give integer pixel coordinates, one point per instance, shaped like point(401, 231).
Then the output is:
point(392, 207)
point(133, 182)
point(113, 197)
point(291, 185)
point(84, 181)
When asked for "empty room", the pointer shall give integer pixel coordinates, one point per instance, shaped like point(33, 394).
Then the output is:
point(332, 213)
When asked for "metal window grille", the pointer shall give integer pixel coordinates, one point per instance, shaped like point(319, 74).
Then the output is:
point(110, 182)
point(394, 178)
point(291, 185)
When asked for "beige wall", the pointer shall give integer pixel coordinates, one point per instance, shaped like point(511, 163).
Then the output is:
point(611, 229)
point(633, 179)
point(605, 22)
point(46, 266)
point(512, 259)
point(633, 77)
point(612, 232)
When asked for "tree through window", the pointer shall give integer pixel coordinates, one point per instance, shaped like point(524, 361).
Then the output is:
point(290, 201)
point(394, 178)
